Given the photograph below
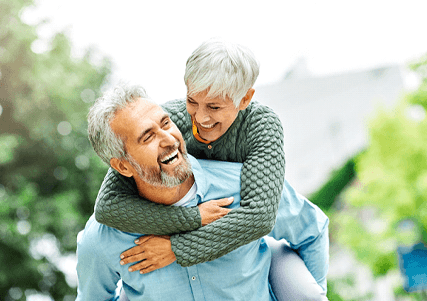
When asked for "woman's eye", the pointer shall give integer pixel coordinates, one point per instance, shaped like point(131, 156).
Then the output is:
point(214, 108)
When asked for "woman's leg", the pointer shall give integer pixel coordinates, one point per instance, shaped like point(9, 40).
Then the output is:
point(289, 277)
point(123, 296)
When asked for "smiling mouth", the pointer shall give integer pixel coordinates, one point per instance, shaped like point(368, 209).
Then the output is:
point(171, 158)
point(207, 127)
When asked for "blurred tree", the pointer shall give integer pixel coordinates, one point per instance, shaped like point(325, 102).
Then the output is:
point(327, 194)
point(49, 175)
point(387, 205)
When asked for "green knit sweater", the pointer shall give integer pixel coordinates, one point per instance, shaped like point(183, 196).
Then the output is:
point(254, 139)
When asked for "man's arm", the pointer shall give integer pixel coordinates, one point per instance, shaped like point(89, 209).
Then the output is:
point(305, 227)
point(96, 280)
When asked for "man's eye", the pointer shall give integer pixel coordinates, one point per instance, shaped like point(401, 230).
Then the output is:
point(214, 108)
point(190, 102)
point(147, 137)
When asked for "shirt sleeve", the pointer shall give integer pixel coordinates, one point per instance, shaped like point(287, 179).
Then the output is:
point(261, 185)
point(305, 227)
point(118, 205)
point(96, 280)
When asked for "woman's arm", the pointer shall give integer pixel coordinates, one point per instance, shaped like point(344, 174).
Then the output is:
point(118, 205)
point(261, 186)
point(262, 181)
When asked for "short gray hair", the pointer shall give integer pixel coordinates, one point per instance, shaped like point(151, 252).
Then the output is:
point(225, 69)
point(105, 142)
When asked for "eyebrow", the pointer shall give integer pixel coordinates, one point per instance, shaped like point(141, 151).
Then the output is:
point(143, 133)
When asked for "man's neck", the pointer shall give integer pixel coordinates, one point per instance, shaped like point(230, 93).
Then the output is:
point(164, 195)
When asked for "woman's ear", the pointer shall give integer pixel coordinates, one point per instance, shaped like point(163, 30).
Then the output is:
point(246, 99)
point(122, 166)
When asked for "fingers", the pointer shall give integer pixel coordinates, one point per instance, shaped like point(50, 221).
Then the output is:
point(142, 239)
point(132, 251)
point(138, 257)
point(225, 201)
point(148, 265)
point(143, 267)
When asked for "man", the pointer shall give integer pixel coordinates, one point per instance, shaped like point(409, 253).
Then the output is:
point(151, 151)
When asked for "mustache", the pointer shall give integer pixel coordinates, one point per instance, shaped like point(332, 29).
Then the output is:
point(169, 150)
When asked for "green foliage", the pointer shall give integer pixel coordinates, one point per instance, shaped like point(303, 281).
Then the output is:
point(332, 292)
point(8, 145)
point(327, 194)
point(387, 205)
point(49, 175)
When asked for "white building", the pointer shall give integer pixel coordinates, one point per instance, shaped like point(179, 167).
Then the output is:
point(325, 118)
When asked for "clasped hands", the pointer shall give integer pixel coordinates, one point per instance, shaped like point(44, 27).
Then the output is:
point(153, 252)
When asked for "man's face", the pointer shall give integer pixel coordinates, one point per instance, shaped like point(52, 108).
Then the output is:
point(212, 116)
point(154, 145)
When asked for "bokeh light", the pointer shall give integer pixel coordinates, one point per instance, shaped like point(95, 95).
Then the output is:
point(23, 227)
point(88, 95)
point(60, 173)
point(64, 128)
point(82, 162)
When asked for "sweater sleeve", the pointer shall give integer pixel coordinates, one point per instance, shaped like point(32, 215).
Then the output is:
point(261, 186)
point(118, 205)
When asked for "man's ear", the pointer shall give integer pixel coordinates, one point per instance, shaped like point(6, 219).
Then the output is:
point(246, 99)
point(122, 166)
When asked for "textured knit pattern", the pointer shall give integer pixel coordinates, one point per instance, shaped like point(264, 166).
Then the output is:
point(119, 206)
point(254, 139)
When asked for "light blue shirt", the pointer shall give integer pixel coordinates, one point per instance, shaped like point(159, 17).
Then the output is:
point(239, 275)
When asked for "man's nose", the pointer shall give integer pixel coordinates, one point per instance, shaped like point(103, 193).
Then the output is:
point(167, 139)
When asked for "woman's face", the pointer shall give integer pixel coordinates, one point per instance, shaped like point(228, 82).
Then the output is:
point(213, 116)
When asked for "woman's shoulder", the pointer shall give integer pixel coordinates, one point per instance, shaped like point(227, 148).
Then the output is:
point(174, 106)
point(258, 114)
point(255, 107)
point(178, 113)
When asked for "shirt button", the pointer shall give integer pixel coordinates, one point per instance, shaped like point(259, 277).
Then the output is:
point(193, 278)
point(210, 146)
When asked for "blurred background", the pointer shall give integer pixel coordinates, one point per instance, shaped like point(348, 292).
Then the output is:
point(348, 80)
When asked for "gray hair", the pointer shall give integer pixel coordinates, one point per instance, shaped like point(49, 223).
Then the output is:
point(225, 69)
point(105, 142)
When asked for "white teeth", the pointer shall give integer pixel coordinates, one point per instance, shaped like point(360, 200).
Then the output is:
point(209, 126)
point(170, 156)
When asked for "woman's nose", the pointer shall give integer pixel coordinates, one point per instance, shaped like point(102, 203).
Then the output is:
point(201, 116)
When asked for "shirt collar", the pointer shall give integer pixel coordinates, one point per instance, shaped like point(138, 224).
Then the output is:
point(199, 178)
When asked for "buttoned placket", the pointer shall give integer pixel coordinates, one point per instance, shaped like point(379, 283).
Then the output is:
point(196, 285)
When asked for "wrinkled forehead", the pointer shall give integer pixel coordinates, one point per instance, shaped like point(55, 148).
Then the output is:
point(136, 116)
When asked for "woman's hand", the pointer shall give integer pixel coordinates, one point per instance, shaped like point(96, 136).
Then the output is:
point(212, 210)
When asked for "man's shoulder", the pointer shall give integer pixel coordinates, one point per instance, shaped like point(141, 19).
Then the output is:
point(94, 233)
point(226, 166)
point(217, 172)
point(90, 232)
point(103, 239)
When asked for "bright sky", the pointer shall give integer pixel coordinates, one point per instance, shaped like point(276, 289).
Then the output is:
point(149, 41)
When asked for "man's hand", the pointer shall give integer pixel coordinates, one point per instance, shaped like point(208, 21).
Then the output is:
point(153, 251)
point(212, 210)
